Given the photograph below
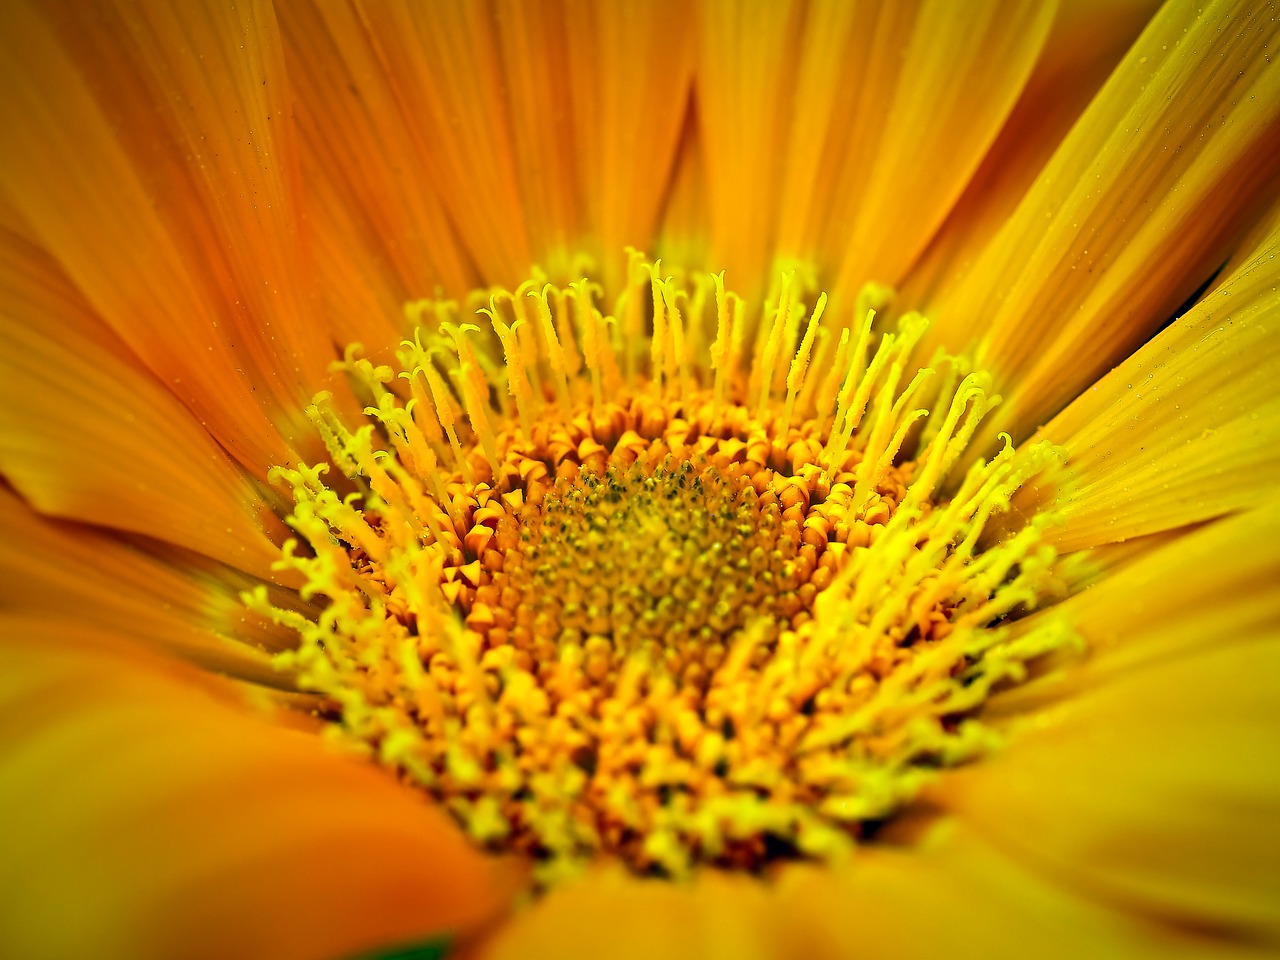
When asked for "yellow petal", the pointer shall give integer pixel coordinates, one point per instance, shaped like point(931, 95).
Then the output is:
point(1187, 593)
point(148, 150)
point(951, 895)
point(1157, 790)
point(864, 123)
point(611, 913)
point(87, 433)
point(956, 896)
point(1087, 40)
point(1187, 428)
point(71, 572)
point(144, 817)
point(1141, 202)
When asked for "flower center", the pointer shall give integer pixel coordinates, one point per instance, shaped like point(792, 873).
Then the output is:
point(650, 560)
point(661, 602)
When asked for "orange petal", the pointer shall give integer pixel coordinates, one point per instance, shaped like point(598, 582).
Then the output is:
point(144, 817)
point(863, 124)
point(956, 896)
point(70, 572)
point(87, 433)
point(683, 236)
point(149, 151)
point(745, 71)
point(1144, 198)
point(952, 896)
point(1157, 790)
point(1187, 428)
point(597, 95)
point(380, 234)
point(443, 65)
point(610, 913)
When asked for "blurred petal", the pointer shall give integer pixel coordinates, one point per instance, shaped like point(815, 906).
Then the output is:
point(683, 236)
point(612, 913)
point(146, 817)
point(844, 134)
point(1157, 789)
point(956, 896)
point(1142, 201)
point(746, 71)
point(87, 433)
point(149, 149)
point(1187, 428)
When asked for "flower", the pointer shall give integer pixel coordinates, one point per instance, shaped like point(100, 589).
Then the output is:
point(1005, 697)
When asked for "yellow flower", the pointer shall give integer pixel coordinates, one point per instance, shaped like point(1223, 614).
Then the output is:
point(668, 612)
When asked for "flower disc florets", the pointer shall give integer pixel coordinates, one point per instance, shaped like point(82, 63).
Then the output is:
point(635, 593)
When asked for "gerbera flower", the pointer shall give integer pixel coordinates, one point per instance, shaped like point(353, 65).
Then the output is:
point(395, 554)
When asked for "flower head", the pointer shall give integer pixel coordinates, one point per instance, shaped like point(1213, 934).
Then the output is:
point(395, 553)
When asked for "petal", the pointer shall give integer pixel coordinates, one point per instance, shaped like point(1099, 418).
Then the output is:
point(864, 123)
point(380, 234)
point(149, 150)
point(1141, 202)
point(598, 96)
point(1185, 593)
point(953, 896)
point(87, 433)
point(563, 137)
point(66, 571)
point(144, 816)
point(444, 67)
point(612, 913)
point(1157, 790)
point(1086, 42)
point(1187, 428)
point(956, 896)
point(683, 236)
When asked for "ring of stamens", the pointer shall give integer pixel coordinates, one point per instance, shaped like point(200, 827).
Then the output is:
point(710, 620)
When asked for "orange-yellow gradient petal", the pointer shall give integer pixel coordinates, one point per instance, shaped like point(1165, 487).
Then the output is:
point(957, 896)
point(1187, 428)
point(608, 912)
point(87, 433)
point(1177, 593)
point(174, 602)
point(1087, 40)
point(147, 817)
point(1143, 200)
point(1154, 786)
point(379, 233)
point(149, 152)
point(598, 94)
point(843, 134)
point(444, 63)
